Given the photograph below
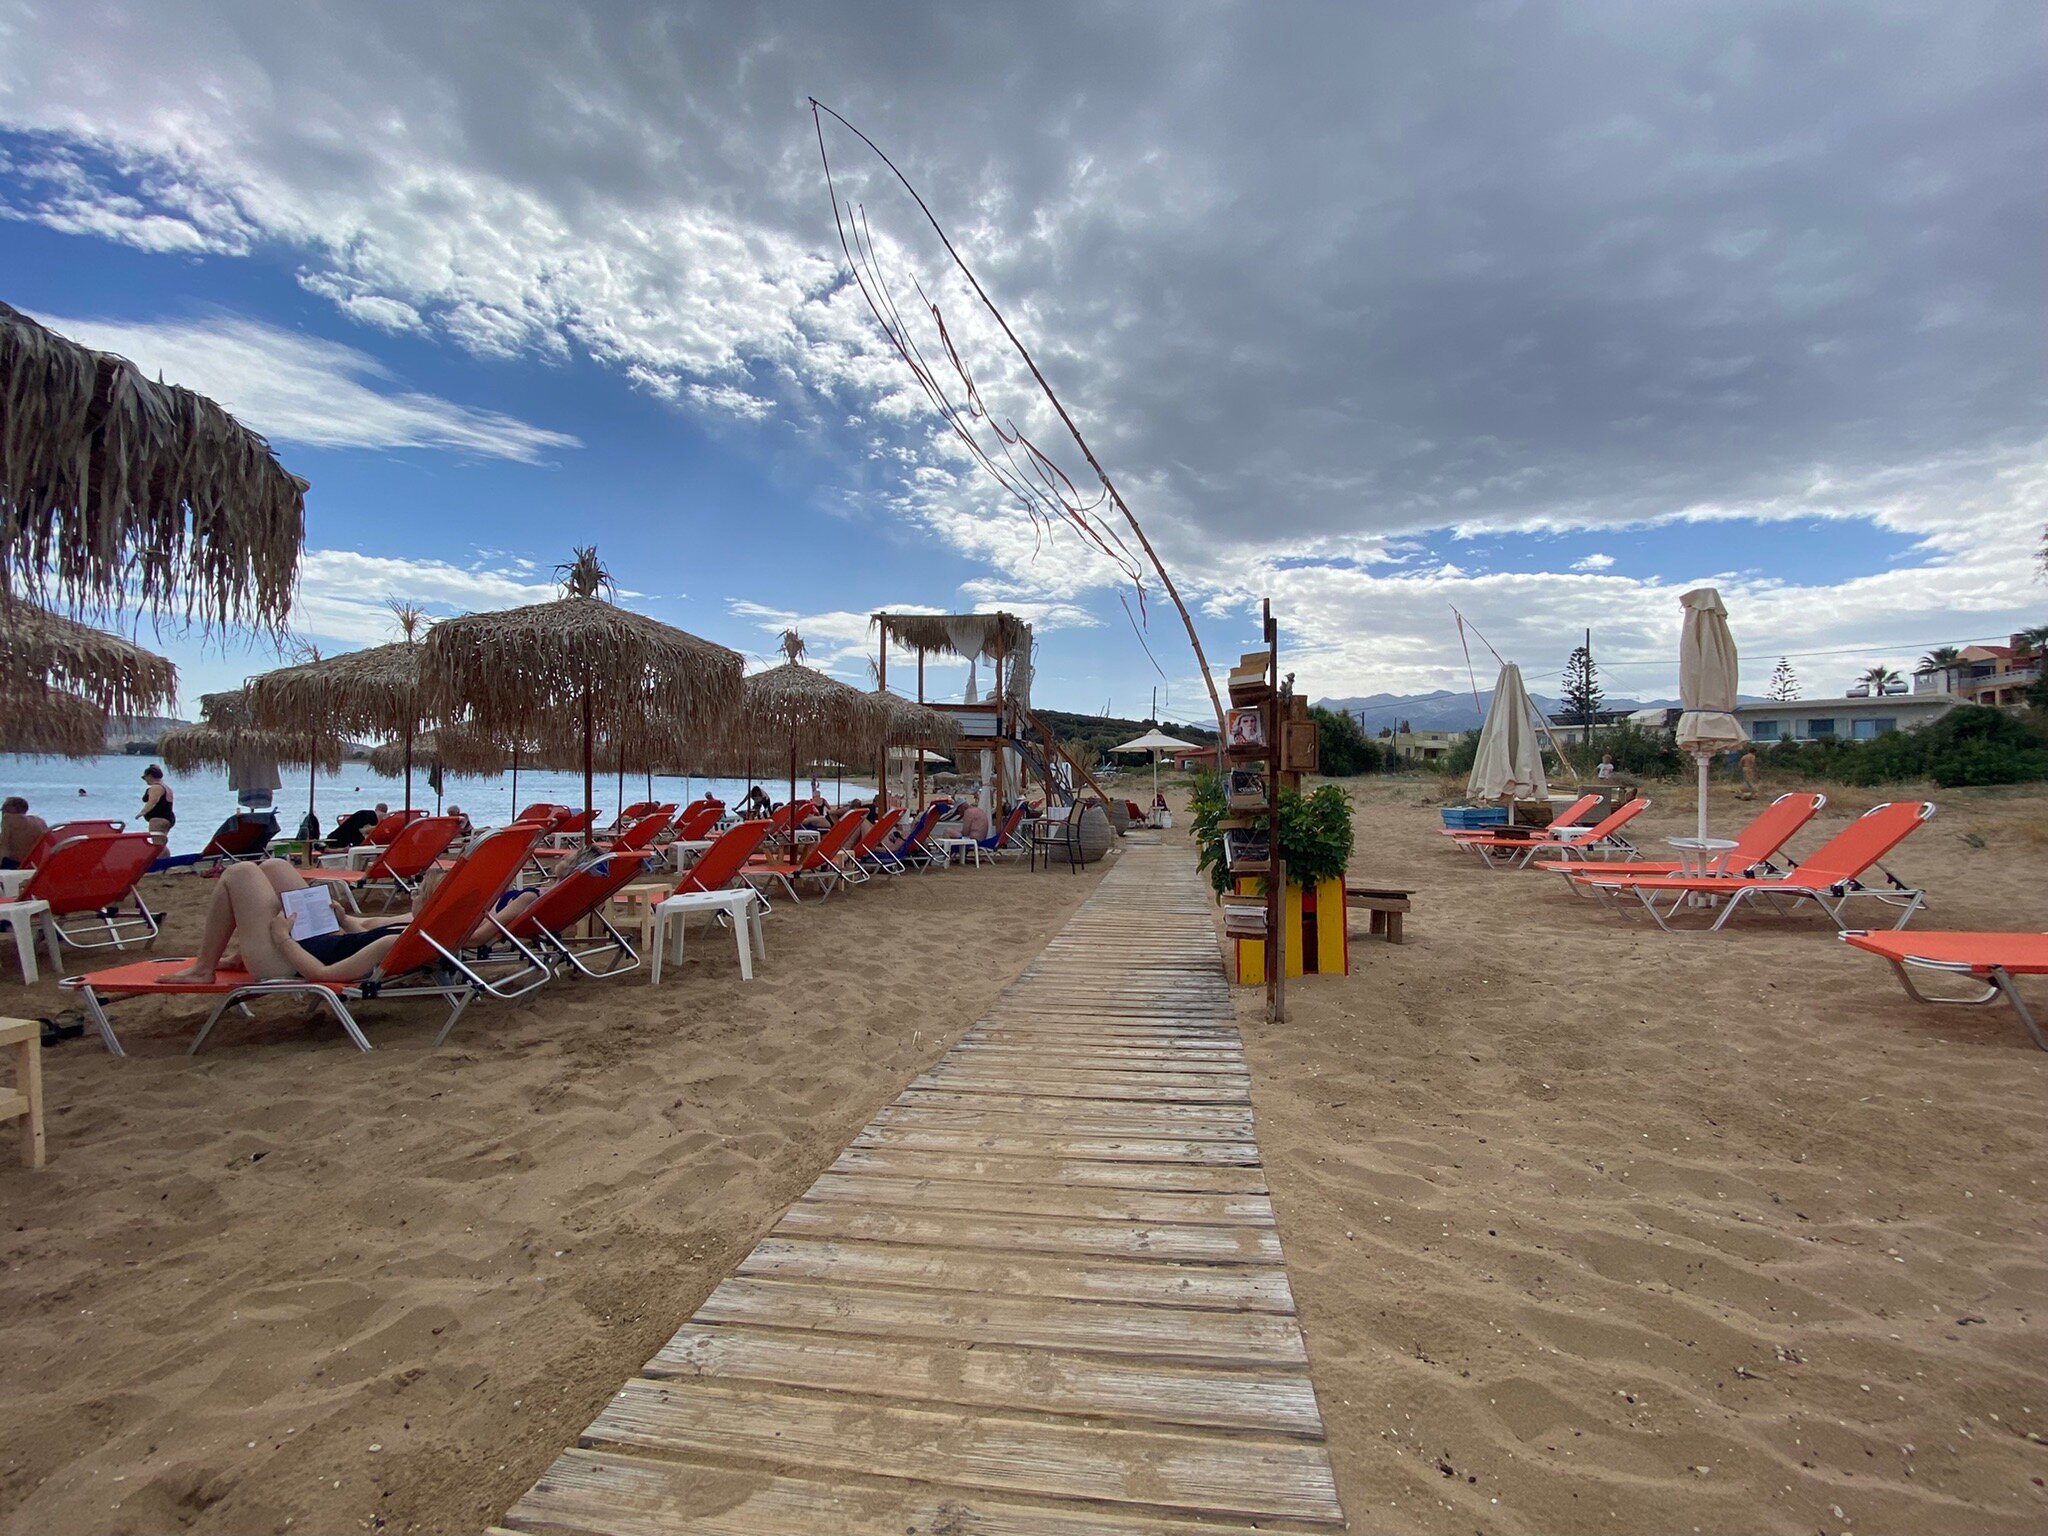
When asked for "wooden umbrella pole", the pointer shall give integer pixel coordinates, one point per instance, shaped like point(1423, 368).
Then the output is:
point(408, 764)
point(589, 797)
point(515, 782)
point(882, 761)
point(792, 800)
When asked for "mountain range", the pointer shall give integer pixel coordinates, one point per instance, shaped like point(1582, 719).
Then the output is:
point(1445, 710)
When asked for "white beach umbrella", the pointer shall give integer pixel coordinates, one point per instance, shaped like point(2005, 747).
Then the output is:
point(1156, 742)
point(1706, 685)
point(1509, 763)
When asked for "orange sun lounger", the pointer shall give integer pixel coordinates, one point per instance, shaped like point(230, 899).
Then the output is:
point(1603, 835)
point(1831, 877)
point(426, 960)
point(1567, 817)
point(1770, 830)
point(1992, 958)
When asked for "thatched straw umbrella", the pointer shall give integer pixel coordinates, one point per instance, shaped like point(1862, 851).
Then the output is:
point(115, 489)
point(374, 692)
point(581, 660)
point(225, 736)
point(45, 722)
point(908, 724)
point(802, 715)
point(47, 650)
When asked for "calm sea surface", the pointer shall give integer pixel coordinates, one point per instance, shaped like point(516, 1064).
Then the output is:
point(111, 788)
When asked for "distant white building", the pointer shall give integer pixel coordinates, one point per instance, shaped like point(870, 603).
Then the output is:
point(1845, 719)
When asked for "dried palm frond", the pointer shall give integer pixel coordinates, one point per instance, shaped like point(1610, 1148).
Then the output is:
point(114, 489)
point(44, 722)
point(38, 647)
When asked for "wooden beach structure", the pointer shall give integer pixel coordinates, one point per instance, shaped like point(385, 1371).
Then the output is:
point(1040, 1294)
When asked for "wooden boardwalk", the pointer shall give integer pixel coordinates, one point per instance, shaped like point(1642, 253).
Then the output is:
point(1041, 1294)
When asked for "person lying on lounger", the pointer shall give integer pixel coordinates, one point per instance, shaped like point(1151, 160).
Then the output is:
point(247, 926)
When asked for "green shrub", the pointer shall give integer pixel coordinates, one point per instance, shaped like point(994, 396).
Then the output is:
point(1315, 832)
point(1345, 749)
point(1972, 744)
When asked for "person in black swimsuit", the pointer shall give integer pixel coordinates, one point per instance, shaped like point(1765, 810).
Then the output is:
point(157, 808)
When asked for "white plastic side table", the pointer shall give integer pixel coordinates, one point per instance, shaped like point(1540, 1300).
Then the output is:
point(22, 918)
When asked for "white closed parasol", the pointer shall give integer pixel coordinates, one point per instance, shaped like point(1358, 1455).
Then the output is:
point(1706, 685)
point(1509, 763)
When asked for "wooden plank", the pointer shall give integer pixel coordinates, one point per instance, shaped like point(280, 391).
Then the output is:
point(1183, 1473)
point(1073, 1054)
point(1050, 1199)
point(597, 1493)
point(1075, 1173)
point(1125, 1117)
point(1153, 1112)
point(1029, 1234)
point(1274, 1401)
point(1228, 1287)
point(1099, 1149)
point(1095, 1085)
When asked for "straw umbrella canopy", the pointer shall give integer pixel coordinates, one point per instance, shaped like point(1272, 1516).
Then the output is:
point(1707, 665)
point(40, 721)
point(116, 489)
point(1155, 741)
point(1509, 762)
point(44, 649)
point(800, 714)
point(906, 723)
point(585, 661)
point(373, 692)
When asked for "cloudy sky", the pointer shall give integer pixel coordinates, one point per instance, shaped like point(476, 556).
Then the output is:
point(1547, 312)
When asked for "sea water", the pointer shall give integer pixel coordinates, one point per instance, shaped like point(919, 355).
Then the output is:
point(109, 788)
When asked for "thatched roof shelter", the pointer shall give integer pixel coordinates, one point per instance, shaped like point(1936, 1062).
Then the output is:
point(966, 635)
point(46, 722)
point(907, 723)
point(795, 715)
point(116, 489)
point(584, 664)
point(44, 649)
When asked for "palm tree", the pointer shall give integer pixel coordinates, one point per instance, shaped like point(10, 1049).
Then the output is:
point(1940, 659)
point(1878, 676)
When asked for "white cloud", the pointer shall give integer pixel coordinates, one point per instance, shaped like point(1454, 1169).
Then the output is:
point(1580, 305)
point(343, 595)
point(301, 389)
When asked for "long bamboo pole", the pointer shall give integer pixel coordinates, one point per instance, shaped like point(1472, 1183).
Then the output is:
point(1101, 474)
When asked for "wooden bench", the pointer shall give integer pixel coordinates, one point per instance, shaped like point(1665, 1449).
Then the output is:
point(24, 1101)
point(1384, 904)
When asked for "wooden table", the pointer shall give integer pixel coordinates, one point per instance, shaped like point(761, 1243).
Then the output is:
point(24, 1101)
point(1384, 905)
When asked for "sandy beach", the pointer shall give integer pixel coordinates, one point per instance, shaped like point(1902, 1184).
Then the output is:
point(1595, 1228)
point(1591, 1228)
point(288, 1286)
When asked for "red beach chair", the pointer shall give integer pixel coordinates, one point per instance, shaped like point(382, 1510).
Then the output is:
point(542, 930)
point(1830, 878)
point(1991, 958)
point(1603, 837)
point(89, 882)
point(1568, 817)
point(819, 862)
point(426, 961)
point(1756, 845)
point(402, 865)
